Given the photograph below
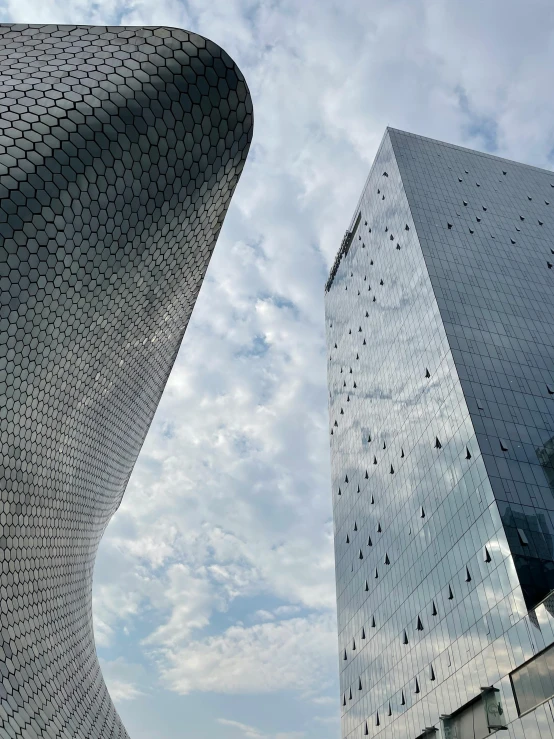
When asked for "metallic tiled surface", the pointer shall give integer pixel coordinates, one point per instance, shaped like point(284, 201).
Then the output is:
point(119, 152)
point(441, 419)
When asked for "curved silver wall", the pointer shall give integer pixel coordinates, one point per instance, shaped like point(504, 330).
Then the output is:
point(119, 151)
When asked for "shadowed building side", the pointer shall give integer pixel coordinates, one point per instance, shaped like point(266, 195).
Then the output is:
point(120, 149)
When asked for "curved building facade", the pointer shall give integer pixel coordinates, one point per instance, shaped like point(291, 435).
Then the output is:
point(120, 149)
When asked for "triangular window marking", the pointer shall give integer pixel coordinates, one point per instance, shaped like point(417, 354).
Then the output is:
point(468, 576)
point(340, 492)
point(523, 538)
point(336, 424)
point(349, 330)
point(398, 247)
point(402, 699)
point(364, 343)
point(449, 226)
point(344, 384)
point(360, 555)
point(379, 529)
point(402, 454)
point(541, 223)
point(366, 473)
point(419, 624)
point(503, 446)
point(371, 262)
point(346, 478)
point(386, 229)
point(547, 202)
point(355, 526)
point(392, 470)
point(460, 179)
point(345, 655)
point(518, 229)
point(353, 645)
point(354, 386)
point(529, 197)
point(377, 722)
point(387, 560)
point(365, 223)
point(406, 227)
point(513, 241)
point(486, 555)
point(358, 490)
point(369, 542)
point(350, 370)
point(416, 689)
point(381, 282)
point(385, 174)
point(450, 593)
point(404, 637)
point(431, 673)
point(366, 588)
point(471, 231)
point(331, 432)
point(370, 230)
point(384, 445)
point(434, 609)
point(468, 453)
point(347, 539)
point(550, 389)
point(363, 633)
point(374, 460)
point(378, 191)
point(357, 356)
point(477, 219)
point(372, 501)
point(427, 373)
point(359, 683)
point(344, 699)
point(376, 574)
point(549, 265)
point(422, 513)
point(478, 185)
point(484, 208)
point(464, 202)
point(350, 695)
point(360, 330)
point(390, 710)
point(367, 314)
point(522, 218)
point(438, 445)
point(504, 172)
point(348, 398)
point(366, 730)
point(373, 622)
point(342, 411)
point(391, 237)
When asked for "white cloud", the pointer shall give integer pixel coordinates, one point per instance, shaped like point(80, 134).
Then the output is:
point(123, 679)
point(250, 732)
point(295, 654)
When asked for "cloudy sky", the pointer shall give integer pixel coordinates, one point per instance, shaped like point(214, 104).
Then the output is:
point(214, 587)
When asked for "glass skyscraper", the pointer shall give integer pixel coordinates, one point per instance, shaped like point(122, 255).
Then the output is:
point(439, 312)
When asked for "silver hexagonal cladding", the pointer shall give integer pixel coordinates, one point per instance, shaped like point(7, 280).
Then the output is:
point(120, 151)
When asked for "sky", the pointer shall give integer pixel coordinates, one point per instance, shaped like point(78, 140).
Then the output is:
point(214, 601)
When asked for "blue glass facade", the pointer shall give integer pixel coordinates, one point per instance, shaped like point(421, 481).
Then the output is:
point(441, 417)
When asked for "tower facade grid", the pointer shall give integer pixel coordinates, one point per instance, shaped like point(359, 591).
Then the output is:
point(438, 313)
